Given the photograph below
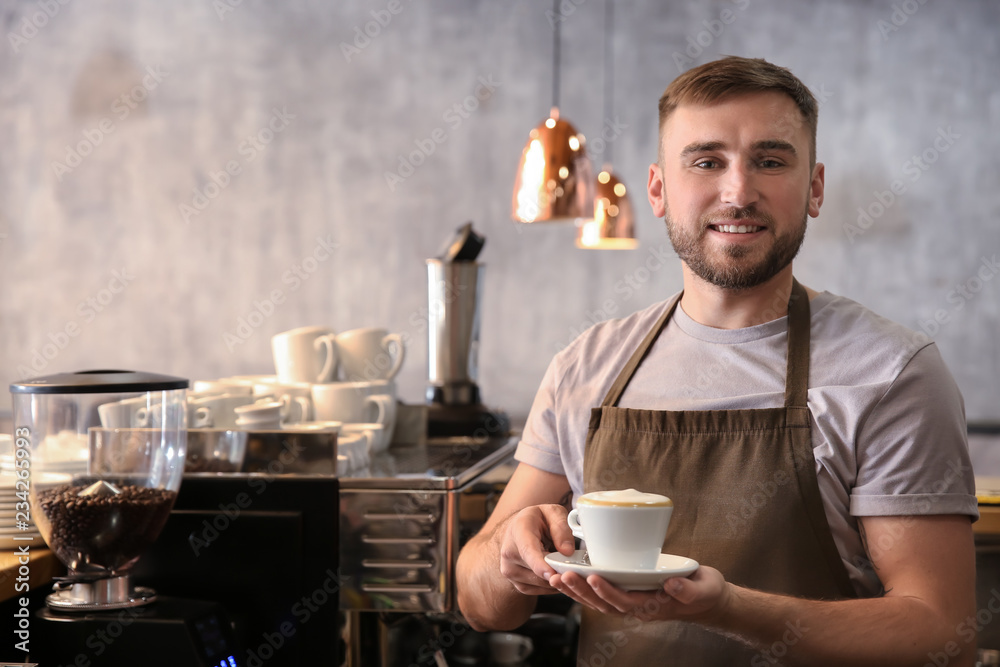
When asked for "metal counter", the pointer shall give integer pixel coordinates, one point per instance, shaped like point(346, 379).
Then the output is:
point(401, 525)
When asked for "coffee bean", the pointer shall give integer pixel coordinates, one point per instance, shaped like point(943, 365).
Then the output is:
point(102, 533)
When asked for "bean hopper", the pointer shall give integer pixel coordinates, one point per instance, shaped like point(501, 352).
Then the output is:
point(107, 457)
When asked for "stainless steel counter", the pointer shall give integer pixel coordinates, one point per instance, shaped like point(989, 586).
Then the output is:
point(401, 526)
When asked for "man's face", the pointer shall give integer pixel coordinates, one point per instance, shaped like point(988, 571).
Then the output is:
point(735, 187)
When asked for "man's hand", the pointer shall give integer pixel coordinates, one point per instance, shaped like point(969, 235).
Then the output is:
point(525, 538)
point(699, 597)
point(501, 571)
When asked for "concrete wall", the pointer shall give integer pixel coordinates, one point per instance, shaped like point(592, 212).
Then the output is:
point(163, 96)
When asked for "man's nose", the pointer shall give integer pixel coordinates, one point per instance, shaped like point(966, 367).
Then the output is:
point(739, 187)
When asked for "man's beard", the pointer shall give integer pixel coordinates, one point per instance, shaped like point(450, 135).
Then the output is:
point(734, 275)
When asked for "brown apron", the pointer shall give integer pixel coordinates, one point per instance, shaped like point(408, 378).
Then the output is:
point(746, 502)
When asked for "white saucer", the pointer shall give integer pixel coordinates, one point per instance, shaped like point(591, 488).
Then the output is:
point(631, 580)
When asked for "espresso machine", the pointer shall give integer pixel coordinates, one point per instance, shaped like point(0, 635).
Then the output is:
point(454, 291)
point(106, 453)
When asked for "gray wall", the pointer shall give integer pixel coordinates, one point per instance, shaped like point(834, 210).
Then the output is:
point(208, 79)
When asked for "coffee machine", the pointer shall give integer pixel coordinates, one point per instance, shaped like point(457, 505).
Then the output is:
point(105, 453)
point(454, 291)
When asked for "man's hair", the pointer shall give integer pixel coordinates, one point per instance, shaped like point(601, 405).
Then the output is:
point(732, 76)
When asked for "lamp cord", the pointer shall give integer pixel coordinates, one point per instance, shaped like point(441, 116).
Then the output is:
point(556, 43)
point(609, 71)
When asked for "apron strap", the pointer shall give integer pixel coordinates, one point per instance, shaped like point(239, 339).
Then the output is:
point(618, 388)
point(797, 366)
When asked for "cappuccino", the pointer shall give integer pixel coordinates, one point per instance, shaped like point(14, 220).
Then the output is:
point(622, 529)
point(625, 498)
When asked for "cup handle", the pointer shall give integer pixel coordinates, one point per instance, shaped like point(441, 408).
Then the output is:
point(203, 417)
point(366, 458)
point(305, 407)
point(525, 648)
point(329, 369)
point(381, 403)
point(574, 524)
point(393, 345)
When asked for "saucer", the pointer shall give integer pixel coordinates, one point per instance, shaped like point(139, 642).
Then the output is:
point(631, 580)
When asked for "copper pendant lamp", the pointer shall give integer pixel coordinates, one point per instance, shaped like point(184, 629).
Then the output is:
point(555, 180)
point(613, 226)
point(613, 223)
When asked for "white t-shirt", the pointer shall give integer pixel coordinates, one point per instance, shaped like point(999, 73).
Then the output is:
point(888, 421)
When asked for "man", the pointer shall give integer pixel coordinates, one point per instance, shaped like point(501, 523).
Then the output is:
point(815, 452)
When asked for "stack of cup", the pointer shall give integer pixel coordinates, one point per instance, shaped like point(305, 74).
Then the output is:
point(347, 377)
point(213, 403)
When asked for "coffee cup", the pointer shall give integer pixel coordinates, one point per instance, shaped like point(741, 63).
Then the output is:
point(311, 427)
point(217, 387)
point(306, 354)
point(507, 648)
point(370, 354)
point(137, 412)
point(352, 402)
point(356, 447)
point(376, 434)
point(295, 398)
point(262, 415)
point(215, 411)
point(624, 529)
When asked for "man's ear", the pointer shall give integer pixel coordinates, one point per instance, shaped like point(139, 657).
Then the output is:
point(816, 187)
point(655, 191)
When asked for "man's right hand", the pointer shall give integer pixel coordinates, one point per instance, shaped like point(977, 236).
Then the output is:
point(525, 538)
point(501, 571)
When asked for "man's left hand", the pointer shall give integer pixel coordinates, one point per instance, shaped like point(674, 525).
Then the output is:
point(697, 598)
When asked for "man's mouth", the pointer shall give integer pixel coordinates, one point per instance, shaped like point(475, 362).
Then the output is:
point(736, 229)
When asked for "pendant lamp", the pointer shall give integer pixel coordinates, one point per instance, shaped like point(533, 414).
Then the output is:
point(555, 180)
point(613, 224)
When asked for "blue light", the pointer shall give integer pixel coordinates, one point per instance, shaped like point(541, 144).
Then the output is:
point(232, 662)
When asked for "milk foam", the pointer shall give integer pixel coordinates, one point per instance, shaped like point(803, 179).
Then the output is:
point(625, 498)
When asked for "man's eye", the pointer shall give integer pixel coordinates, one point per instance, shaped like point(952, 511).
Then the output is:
point(705, 164)
point(770, 164)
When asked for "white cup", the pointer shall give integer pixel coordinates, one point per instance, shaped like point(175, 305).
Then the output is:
point(623, 530)
point(129, 413)
point(306, 354)
point(506, 648)
point(263, 414)
point(295, 398)
point(356, 447)
point(217, 387)
point(352, 402)
point(378, 441)
point(369, 354)
point(323, 427)
point(215, 411)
